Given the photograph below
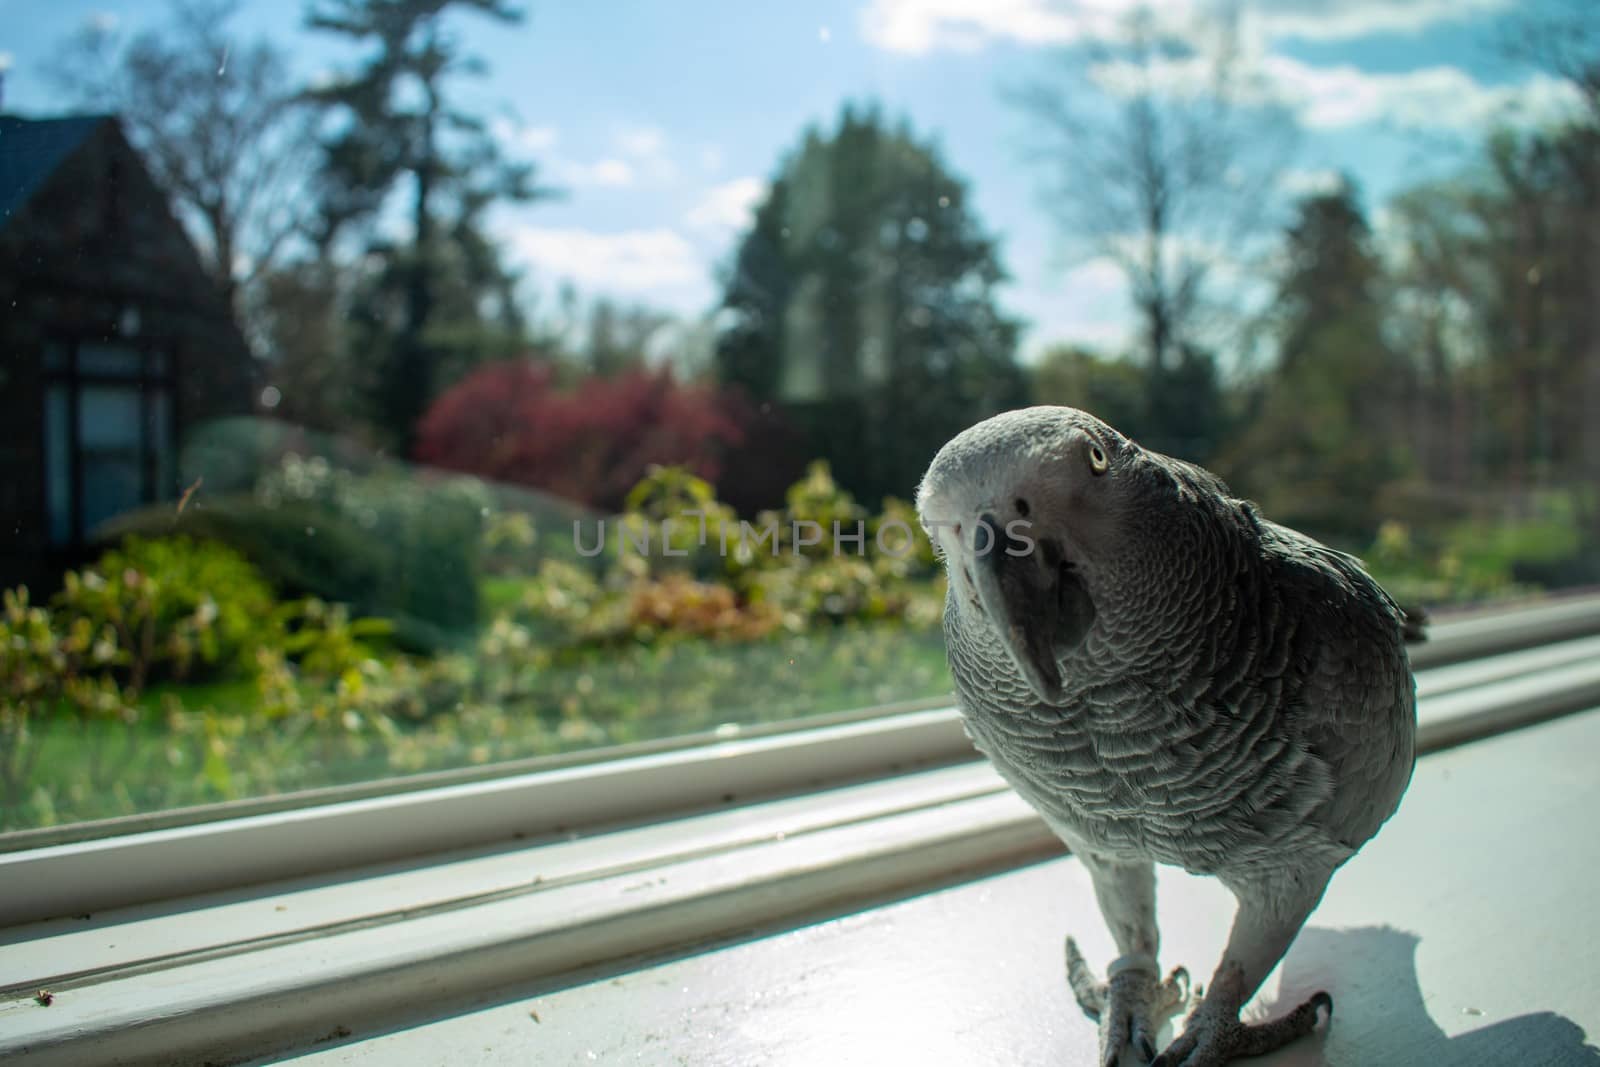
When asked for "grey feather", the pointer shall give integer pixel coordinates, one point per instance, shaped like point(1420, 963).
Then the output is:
point(1235, 699)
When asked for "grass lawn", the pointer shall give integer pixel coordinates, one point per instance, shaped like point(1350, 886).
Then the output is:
point(96, 768)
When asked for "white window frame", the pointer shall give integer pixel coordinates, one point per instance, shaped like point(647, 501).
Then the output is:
point(47, 873)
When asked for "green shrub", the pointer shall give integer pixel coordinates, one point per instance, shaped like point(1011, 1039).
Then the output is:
point(422, 536)
point(57, 670)
point(386, 544)
point(818, 499)
point(1484, 558)
point(675, 509)
point(581, 652)
point(180, 608)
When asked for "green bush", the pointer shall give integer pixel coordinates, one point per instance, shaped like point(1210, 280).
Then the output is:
point(386, 544)
point(422, 535)
point(56, 668)
point(582, 651)
point(1479, 559)
point(180, 608)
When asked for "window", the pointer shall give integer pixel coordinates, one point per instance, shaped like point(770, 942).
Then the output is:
point(108, 432)
point(460, 426)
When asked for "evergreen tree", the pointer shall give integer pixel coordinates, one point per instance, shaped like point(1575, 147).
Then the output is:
point(1322, 441)
point(862, 303)
point(438, 301)
point(1112, 389)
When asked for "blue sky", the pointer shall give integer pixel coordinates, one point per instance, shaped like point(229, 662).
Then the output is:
point(663, 120)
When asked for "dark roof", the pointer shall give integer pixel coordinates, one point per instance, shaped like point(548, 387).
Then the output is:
point(31, 150)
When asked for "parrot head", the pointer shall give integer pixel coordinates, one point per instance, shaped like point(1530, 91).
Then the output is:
point(1030, 510)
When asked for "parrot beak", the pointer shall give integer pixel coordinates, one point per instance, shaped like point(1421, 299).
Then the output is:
point(1038, 606)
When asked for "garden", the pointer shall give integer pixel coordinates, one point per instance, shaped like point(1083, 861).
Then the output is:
point(312, 618)
point(321, 622)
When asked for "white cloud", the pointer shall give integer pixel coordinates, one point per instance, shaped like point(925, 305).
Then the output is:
point(1441, 96)
point(920, 26)
point(1087, 305)
point(637, 154)
point(628, 261)
point(1298, 181)
point(1321, 21)
point(523, 137)
point(729, 205)
point(1092, 289)
point(647, 148)
point(642, 142)
point(1336, 97)
point(608, 173)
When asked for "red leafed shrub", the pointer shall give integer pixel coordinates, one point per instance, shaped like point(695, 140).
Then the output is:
point(511, 422)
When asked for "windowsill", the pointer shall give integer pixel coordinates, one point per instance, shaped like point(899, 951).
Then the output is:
point(1463, 934)
point(276, 965)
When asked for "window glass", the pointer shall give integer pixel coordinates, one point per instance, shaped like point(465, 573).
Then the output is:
point(609, 430)
point(111, 450)
point(108, 418)
point(158, 432)
point(118, 361)
point(112, 485)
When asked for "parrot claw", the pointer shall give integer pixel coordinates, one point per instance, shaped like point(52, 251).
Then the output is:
point(1129, 1006)
point(1213, 1034)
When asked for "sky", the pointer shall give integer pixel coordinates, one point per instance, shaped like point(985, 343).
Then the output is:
point(662, 121)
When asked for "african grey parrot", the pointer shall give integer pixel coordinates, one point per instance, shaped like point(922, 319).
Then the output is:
point(1168, 677)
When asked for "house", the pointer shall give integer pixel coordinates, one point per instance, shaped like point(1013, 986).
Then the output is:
point(113, 341)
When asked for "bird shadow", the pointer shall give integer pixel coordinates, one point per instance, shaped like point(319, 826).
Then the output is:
point(1372, 973)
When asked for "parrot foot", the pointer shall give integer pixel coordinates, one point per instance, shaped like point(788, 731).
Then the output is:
point(1130, 1005)
point(1213, 1034)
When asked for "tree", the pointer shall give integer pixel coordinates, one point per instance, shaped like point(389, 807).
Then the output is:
point(1112, 389)
point(619, 338)
point(1159, 152)
point(1563, 39)
point(301, 314)
point(1322, 442)
point(420, 312)
point(591, 443)
point(1437, 290)
point(214, 117)
point(1560, 37)
point(861, 303)
point(1495, 272)
point(1183, 417)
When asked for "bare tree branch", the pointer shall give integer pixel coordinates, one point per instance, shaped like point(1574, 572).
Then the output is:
point(216, 119)
point(1161, 154)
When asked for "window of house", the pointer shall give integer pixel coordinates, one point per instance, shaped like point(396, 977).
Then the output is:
point(109, 435)
point(578, 406)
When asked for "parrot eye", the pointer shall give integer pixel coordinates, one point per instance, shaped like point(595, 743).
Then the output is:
point(1097, 460)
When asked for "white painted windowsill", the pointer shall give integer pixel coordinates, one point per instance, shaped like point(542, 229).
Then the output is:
point(364, 936)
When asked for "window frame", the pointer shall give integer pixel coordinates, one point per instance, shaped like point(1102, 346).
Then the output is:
point(49, 873)
point(157, 373)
